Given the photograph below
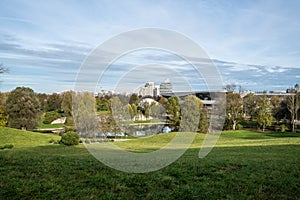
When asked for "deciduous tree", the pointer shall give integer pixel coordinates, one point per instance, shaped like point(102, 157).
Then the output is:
point(264, 115)
point(190, 114)
point(234, 108)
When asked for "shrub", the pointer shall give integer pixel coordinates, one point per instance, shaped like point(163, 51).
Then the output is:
point(283, 128)
point(7, 146)
point(81, 140)
point(87, 141)
point(70, 138)
point(53, 141)
point(239, 126)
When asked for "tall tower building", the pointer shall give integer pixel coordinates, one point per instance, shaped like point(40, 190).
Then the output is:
point(166, 87)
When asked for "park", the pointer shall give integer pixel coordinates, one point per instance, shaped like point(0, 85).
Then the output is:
point(243, 165)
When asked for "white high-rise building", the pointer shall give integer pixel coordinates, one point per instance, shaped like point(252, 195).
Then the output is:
point(166, 87)
point(156, 91)
point(147, 90)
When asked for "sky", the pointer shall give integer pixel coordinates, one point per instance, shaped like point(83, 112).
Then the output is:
point(254, 44)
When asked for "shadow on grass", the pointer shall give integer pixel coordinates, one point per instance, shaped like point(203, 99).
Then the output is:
point(283, 135)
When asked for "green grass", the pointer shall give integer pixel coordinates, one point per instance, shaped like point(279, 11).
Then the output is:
point(243, 165)
point(21, 138)
point(41, 125)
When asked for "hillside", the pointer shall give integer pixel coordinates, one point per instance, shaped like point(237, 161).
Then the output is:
point(21, 138)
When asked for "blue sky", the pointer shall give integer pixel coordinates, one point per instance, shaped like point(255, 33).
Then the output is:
point(253, 43)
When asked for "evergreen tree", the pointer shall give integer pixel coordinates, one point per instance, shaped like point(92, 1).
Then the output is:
point(22, 107)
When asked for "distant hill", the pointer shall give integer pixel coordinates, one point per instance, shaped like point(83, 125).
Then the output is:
point(21, 138)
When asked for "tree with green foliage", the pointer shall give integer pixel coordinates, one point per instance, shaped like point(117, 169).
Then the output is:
point(3, 117)
point(190, 114)
point(234, 108)
point(103, 104)
point(291, 105)
point(42, 97)
point(54, 102)
point(264, 115)
point(22, 107)
point(173, 109)
point(276, 107)
point(297, 100)
point(134, 99)
point(66, 106)
point(130, 110)
point(204, 121)
point(250, 105)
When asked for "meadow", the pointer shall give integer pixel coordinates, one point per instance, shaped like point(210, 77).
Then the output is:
point(243, 165)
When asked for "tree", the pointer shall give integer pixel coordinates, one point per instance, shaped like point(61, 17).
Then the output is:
point(264, 116)
point(42, 97)
point(173, 109)
point(204, 121)
point(66, 106)
point(291, 101)
point(250, 105)
point(276, 107)
point(3, 117)
point(84, 114)
point(120, 114)
point(297, 101)
point(147, 110)
point(190, 114)
point(163, 101)
point(134, 98)
point(54, 102)
point(22, 107)
point(130, 110)
point(234, 108)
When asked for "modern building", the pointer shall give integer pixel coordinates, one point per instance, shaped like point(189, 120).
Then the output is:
point(166, 87)
point(156, 91)
point(147, 90)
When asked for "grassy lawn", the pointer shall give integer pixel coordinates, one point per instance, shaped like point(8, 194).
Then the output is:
point(21, 138)
point(243, 165)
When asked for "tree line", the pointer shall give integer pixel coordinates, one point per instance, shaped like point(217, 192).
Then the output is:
point(22, 108)
point(276, 112)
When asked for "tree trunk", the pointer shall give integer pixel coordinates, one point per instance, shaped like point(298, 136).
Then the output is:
point(234, 125)
point(293, 126)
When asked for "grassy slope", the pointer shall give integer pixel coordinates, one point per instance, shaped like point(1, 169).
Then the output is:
point(243, 165)
point(21, 138)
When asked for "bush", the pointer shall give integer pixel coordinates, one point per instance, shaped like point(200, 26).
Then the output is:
point(53, 141)
point(283, 128)
point(70, 138)
point(87, 141)
point(239, 126)
point(7, 146)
